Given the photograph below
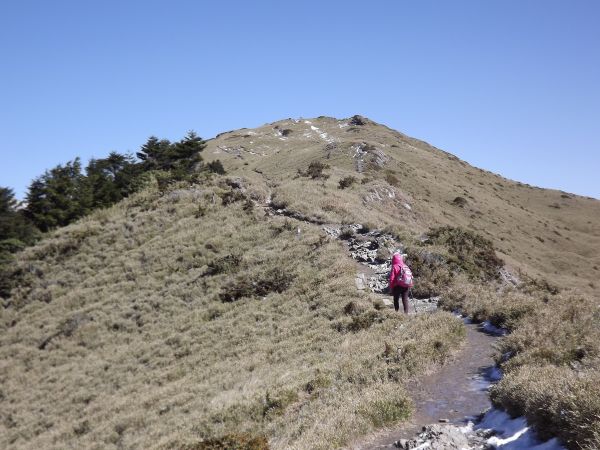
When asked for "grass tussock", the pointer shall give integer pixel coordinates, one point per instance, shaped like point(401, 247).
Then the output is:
point(556, 401)
point(550, 359)
point(231, 442)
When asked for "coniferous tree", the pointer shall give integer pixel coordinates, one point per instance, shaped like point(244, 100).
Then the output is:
point(111, 179)
point(154, 154)
point(15, 232)
point(58, 197)
point(185, 154)
point(180, 158)
point(13, 225)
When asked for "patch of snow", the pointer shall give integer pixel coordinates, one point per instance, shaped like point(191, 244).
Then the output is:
point(358, 151)
point(343, 125)
point(252, 133)
point(489, 328)
point(494, 374)
point(422, 446)
point(513, 434)
point(323, 135)
point(308, 122)
point(468, 428)
point(407, 206)
point(466, 319)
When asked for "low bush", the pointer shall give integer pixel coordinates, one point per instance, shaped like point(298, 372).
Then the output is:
point(346, 182)
point(431, 272)
point(556, 401)
point(461, 202)
point(469, 252)
point(275, 279)
point(315, 171)
point(237, 441)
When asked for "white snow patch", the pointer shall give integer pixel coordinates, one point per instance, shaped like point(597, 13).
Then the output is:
point(489, 328)
point(466, 319)
point(407, 206)
point(343, 125)
point(422, 446)
point(468, 428)
point(358, 151)
point(323, 135)
point(513, 434)
point(308, 122)
point(495, 374)
point(252, 133)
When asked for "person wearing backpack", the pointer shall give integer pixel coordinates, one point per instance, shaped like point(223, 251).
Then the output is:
point(400, 281)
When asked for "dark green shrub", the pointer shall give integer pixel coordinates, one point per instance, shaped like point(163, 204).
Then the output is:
point(347, 182)
point(224, 264)
point(431, 272)
point(216, 166)
point(365, 320)
point(273, 280)
point(232, 196)
point(315, 170)
point(236, 441)
point(469, 252)
point(461, 202)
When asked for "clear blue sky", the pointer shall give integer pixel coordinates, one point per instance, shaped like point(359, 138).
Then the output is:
point(509, 86)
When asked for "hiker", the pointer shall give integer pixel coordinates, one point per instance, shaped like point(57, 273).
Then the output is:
point(400, 281)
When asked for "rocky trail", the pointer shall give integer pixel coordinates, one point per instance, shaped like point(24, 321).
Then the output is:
point(454, 394)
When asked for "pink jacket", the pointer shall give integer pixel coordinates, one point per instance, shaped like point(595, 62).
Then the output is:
point(397, 264)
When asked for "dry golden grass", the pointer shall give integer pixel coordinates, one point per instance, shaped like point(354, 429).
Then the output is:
point(551, 358)
point(122, 337)
point(545, 233)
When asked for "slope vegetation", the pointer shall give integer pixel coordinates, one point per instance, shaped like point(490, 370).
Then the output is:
point(194, 316)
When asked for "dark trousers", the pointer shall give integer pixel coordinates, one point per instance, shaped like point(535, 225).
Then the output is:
point(397, 292)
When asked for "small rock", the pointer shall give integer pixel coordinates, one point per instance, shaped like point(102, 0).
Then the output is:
point(443, 420)
point(401, 443)
point(360, 282)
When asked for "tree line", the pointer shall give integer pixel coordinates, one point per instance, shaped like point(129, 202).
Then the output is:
point(69, 191)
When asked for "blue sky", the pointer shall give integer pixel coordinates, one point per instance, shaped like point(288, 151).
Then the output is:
point(509, 86)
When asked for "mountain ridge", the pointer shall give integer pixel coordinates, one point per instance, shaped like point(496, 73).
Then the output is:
point(225, 311)
point(426, 168)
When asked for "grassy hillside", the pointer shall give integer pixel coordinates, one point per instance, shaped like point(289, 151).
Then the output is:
point(545, 233)
point(180, 316)
point(186, 315)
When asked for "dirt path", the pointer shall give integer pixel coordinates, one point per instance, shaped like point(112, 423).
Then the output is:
point(455, 392)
